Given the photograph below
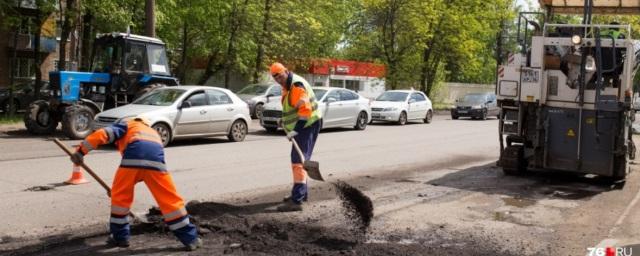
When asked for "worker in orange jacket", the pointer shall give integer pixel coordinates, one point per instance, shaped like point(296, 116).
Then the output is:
point(142, 160)
point(301, 121)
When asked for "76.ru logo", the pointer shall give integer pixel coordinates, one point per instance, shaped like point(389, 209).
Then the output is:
point(609, 251)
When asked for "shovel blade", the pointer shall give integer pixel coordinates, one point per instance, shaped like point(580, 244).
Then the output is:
point(313, 170)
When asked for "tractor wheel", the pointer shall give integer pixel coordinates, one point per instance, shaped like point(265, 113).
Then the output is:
point(148, 88)
point(77, 121)
point(512, 160)
point(39, 118)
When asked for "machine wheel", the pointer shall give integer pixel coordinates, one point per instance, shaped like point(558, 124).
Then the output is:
point(454, 117)
point(164, 131)
point(257, 112)
point(238, 131)
point(5, 106)
point(77, 121)
point(484, 114)
point(512, 160)
point(429, 117)
point(39, 118)
point(148, 88)
point(361, 122)
point(271, 129)
point(402, 120)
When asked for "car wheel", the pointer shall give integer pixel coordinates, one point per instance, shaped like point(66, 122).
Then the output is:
point(257, 112)
point(429, 117)
point(402, 120)
point(484, 114)
point(361, 122)
point(164, 131)
point(77, 121)
point(454, 117)
point(238, 131)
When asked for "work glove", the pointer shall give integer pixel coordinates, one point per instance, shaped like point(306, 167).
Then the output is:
point(77, 158)
point(291, 134)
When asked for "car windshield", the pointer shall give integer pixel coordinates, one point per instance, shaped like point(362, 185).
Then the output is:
point(164, 97)
point(474, 98)
point(319, 93)
point(254, 89)
point(393, 96)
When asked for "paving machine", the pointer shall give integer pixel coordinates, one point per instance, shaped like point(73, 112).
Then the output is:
point(566, 95)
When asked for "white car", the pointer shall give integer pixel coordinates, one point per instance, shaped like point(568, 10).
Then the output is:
point(256, 95)
point(178, 112)
point(339, 107)
point(401, 106)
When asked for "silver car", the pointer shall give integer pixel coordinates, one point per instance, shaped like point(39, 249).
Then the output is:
point(256, 95)
point(186, 112)
point(401, 106)
point(339, 107)
point(476, 105)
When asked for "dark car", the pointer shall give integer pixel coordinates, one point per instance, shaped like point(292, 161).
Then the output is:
point(22, 95)
point(476, 105)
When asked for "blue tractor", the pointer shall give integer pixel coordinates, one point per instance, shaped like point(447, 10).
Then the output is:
point(123, 66)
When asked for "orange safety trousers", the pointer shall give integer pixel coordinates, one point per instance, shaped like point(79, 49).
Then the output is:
point(160, 185)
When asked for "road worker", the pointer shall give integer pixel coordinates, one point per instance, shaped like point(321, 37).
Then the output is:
point(301, 121)
point(142, 160)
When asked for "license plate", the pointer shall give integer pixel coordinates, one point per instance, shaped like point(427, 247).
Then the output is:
point(269, 118)
point(462, 111)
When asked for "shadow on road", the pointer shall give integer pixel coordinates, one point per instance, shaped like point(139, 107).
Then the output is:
point(533, 185)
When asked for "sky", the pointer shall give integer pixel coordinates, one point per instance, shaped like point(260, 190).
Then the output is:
point(526, 3)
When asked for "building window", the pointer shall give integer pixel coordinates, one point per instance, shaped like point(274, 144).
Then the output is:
point(319, 84)
point(352, 85)
point(24, 68)
point(336, 83)
point(25, 26)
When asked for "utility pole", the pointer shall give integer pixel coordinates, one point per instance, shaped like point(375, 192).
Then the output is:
point(150, 19)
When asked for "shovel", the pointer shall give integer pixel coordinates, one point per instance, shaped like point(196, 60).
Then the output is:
point(312, 167)
point(95, 176)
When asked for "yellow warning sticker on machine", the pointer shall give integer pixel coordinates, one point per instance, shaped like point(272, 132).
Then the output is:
point(590, 120)
point(529, 98)
point(571, 133)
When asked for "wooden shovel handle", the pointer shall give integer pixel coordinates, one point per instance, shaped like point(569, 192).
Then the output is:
point(84, 165)
point(295, 145)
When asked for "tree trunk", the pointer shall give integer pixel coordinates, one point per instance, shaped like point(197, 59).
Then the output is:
point(237, 15)
point(211, 68)
point(86, 42)
point(182, 70)
point(262, 38)
point(36, 50)
point(67, 24)
point(150, 18)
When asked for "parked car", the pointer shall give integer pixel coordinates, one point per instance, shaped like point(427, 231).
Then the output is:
point(256, 95)
point(339, 108)
point(22, 95)
point(476, 105)
point(178, 112)
point(401, 106)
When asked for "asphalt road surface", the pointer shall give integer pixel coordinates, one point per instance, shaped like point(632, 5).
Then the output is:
point(435, 190)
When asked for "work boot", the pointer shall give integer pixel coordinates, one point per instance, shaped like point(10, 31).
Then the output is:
point(194, 246)
point(116, 243)
point(289, 206)
point(288, 198)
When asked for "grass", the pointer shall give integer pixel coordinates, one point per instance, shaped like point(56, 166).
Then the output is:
point(15, 119)
point(441, 106)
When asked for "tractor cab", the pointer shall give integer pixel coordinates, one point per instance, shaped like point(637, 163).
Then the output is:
point(132, 61)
